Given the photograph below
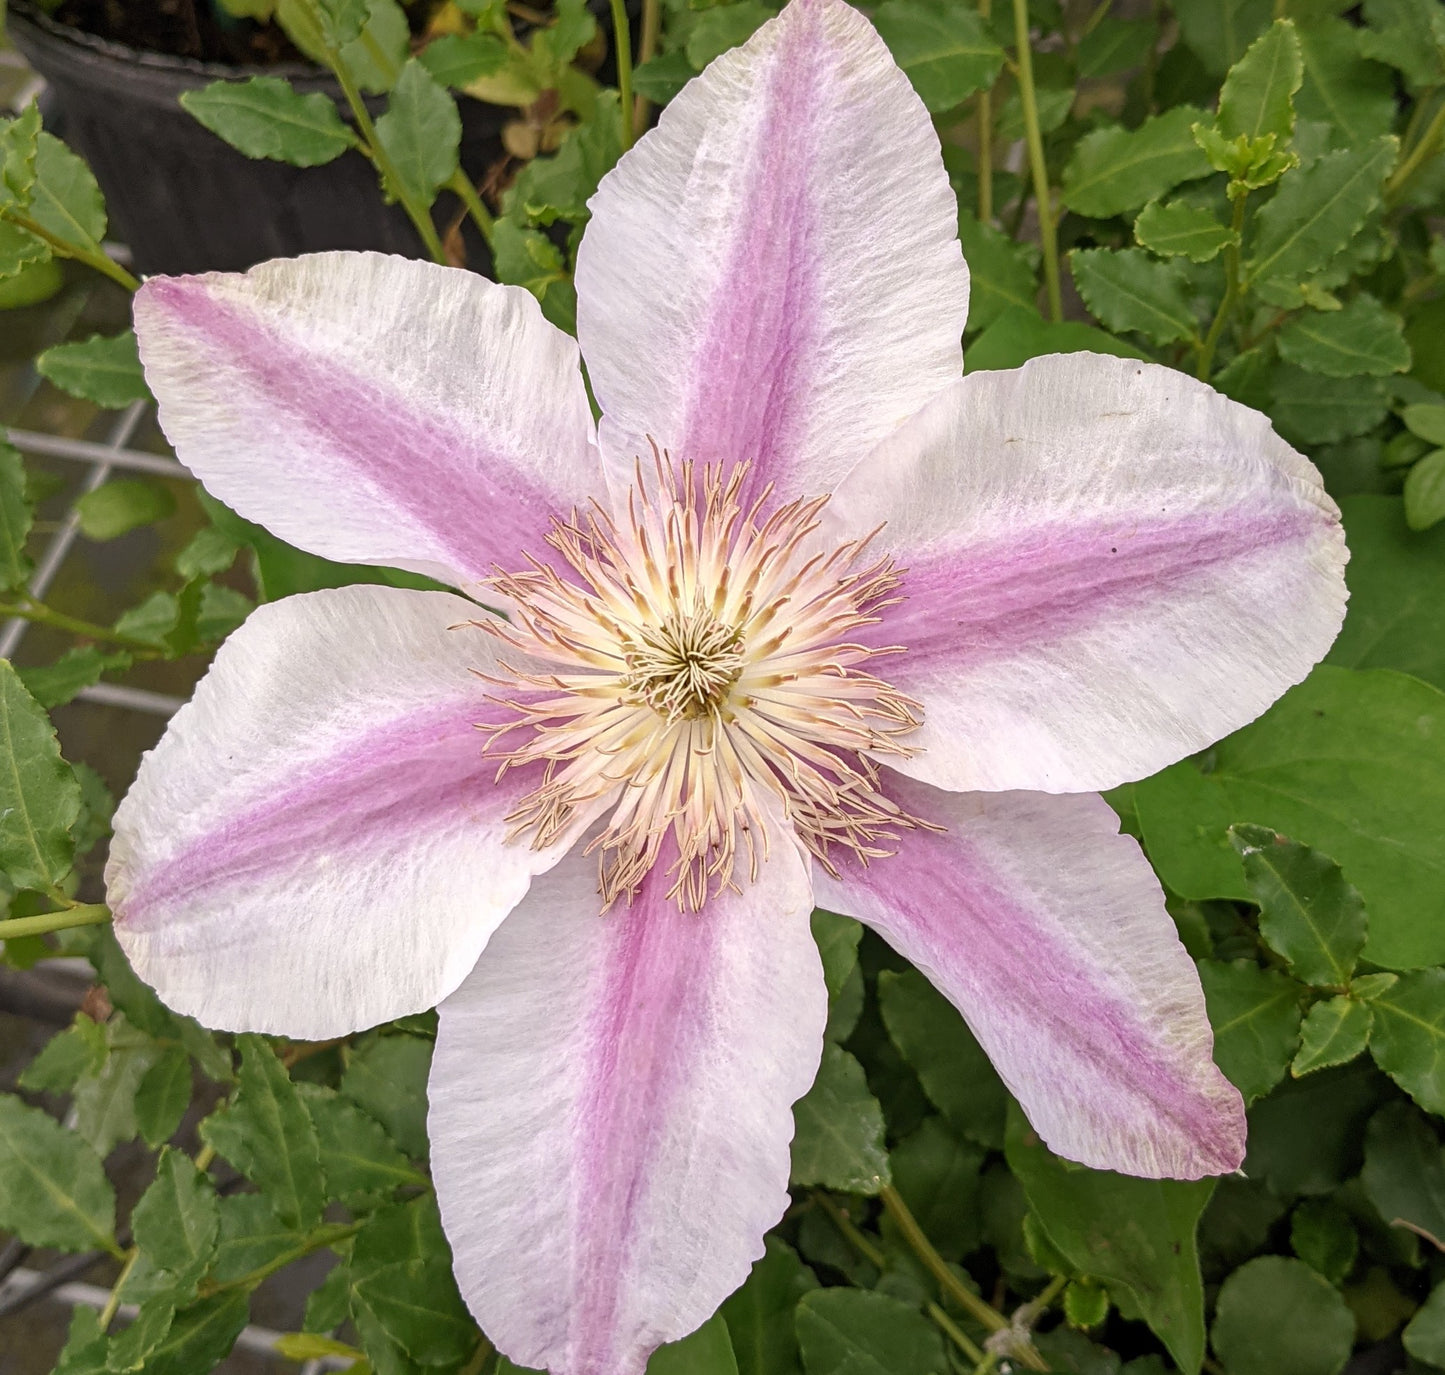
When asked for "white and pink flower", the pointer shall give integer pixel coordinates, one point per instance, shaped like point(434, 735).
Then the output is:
point(810, 617)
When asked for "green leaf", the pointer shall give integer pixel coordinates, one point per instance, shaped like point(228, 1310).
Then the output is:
point(938, 1177)
point(267, 1134)
point(376, 56)
point(176, 1222)
point(1126, 289)
point(1425, 492)
point(1258, 94)
point(15, 518)
point(421, 132)
point(19, 250)
point(85, 1346)
point(1255, 1014)
point(53, 1189)
point(559, 187)
point(1136, 1235)
point(104, 370)
point(53, 685)
point(341, 21)
point(1276, 1316)
point(837, 939)
point(358, 1158)
point(251, 1236)
point(39, 797)
point(1335, 1031)
point(1085, 1304)
point(129, 1349)
point(387, 1079)
point(1001, 272)
point(329, 1304)
point(1113, 170)
point(1310, 409)
point(1361, 339)
point(1409, 35)
point(1220, 31)
point(1115, 45)
point(115, 508)
point(1425, 420)
point(945, 49)
point(1308, 912)
point(955, 1073)
point(724, 27)
point(457, 59)
point(1324, 1237)
point(1318, 209)
point(201, 1336)
point(1404, 1172)
point(838, 1141)
point(708, 1351)
point(1181, 230)
point(265, 118)
point(1354, 96)
point(1349, 762)
point(18, 146)
point(759, 1315)
point(859, 1332)
point(65, 201)
point(1019, 333)
point(105, 1104)
point(162, 1096)
point(79, 1049)
point(1424, 1334)
point(1408, 1038)
point(660, 78)
point(401, 1276)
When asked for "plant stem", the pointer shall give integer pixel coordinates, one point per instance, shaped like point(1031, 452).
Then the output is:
point(846, 1225)
point(622, 39)
point(461, 184)
point(326, 1235)
point(107, 1314)
point(1231, 291)
point(985, 137)
point(420, 216)
point(1421, 153)
point(204, 1156)
point(955, 1333)
point(66, 249)
point(41, 614)
point(1048, 231)
point(82, 914)
point(646, 51)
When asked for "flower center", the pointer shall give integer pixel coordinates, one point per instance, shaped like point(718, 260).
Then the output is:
point(688, 674)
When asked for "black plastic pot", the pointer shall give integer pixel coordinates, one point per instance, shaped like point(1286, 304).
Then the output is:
point(184, 200)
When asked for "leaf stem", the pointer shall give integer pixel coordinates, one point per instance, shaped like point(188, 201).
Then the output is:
point(845, 1224)
point(955, 1333)
point(1421, 153)
point(985, 137)
point(622, 40)
point(327, 1235)
point(1048, 230)
point(461, 184)
point(81, 914)
point(112, 1304)
point(41, 614)
point(99, 261)
point(1231, 291)
point(646, 51)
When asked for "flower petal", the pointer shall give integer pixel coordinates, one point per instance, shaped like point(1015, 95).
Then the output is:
point(1110, 566)
point(373, 409)
point(1046, 928)
point(610, 1109)
point(773, 273)
point(317, 843)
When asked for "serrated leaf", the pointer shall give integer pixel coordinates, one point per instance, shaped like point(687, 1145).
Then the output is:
point(1409, 35)
point(1219, 31)
point(1277, 1315)
point(1137, 1235)
point(105, 1103)
point(176, 1222)
point(251, 1237)
point(457, 59)
point(1404, 1172)
point(265, 118)
point(955, 1072)
point(1355, 96)
point(1085, 1304)
point(18, 145)
point(1126, 289)
point(1333, 1033)
point(938, 1177)
point(387, 1079)
point(1318, 209)
point(1310, 409)
point(1361, 339)
point(1001, 272)
point(945, 49)
point(1425, 492)
point(759, 1315)
point(65, 201)
point(1255, 1014)
point(85, 1345)
point(52, 685)
point(79, 1049)
point(1019, 334)
point(15, 519)
point(1408, 1038)
point(1115, 45)
point(357, 1156)
point(723, 27)
point(341, 21)
point(1257, 98)
point(838, 1141)
point(130, 1348)
point(1324, 1237)
point(39, 796)
point(53, 1189)
point(328, 1305)
point(162, 1096)
point(1308, 911)
point(201, 1335)
point(1181, 230)
point(421, 132)
point(104, 370)
point(267, 1134)
point(1114, 170)
point(125, 504)
point(19, 249)
point(858, 1332)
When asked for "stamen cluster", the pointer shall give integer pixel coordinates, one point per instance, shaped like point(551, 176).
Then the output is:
point(690, 668)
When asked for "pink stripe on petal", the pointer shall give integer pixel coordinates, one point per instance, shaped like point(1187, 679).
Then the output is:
point(610, 1110)
point(1047, 929)
point(373, 409)
point(1110, 566)
point(773, 274)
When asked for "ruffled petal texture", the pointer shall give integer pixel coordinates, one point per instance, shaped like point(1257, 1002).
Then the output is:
point(317, 843)
point(1110, 566)
point(611, 1109)
point(372, 409)
point(773, 273)
point(1047, 930)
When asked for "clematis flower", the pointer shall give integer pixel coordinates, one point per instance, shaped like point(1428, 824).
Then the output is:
point(811, 617)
